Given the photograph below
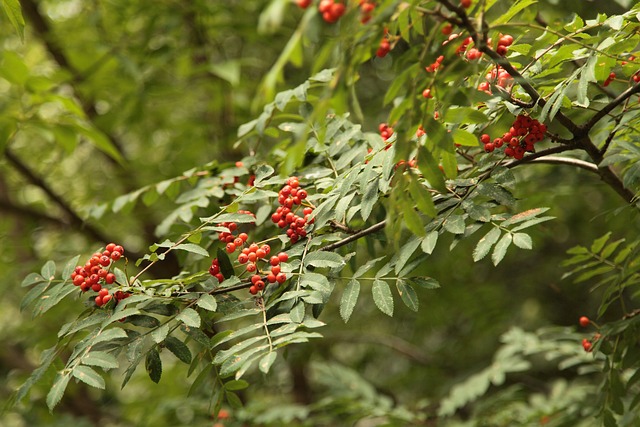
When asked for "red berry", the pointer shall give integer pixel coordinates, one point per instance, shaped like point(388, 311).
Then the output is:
point(243, 258)
point(283, 257)
point(255, 278)
point(96, 287)
point(465, 3)
point(427, 93)
point(281, 278)
point(260, 253)
point(253, 247)
point(274, 260)
point(115, 255)
point(231, 248)
point(110, 278)
point(325, 5)
point(104, 260)
point(259, 285)
point(485, 139)
point(118, 248)
point(243, 236)
point(303, 3)
point(446, 30)
point(271, 278)
point(251, 267)
point(275, 269)
point(584, 321)
point(253, 290)
point(98, 301)
point(78, 280)
point(110, 247)
point(238, 242)
point(266, 249)
point(220, 277)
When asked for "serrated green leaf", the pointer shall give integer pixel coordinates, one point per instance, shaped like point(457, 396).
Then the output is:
point(69, 267)
point(599, 243)
point(484, 245)
point(153, 365)
point(454, 224)
point(405, 253)
point(193, 248)
point(100, 358)
point(522, 240)
point(429, 242)
point(422, 198)
point(501, 248)
point(178, 348)
point(464, 115)
point(408, 295)
point(349, 299)
point(208, 302)
point(430, 169)
point(235, 385)
point(110, 335)
point(517, 7)
point(412, 219)
point(366, 267)
point(369, 198)
point(267, 361)
point(48, 270)
point(57, 390)
point(89, 376)
point(464, 138)
point(32, 278)
point(424, 282)
point(189, 317)
point(321, 259)
point(382, 296)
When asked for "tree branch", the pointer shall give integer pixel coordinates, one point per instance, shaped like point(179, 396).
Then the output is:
point(609, 107)
point(36, 180)
point(25, 212)
point(568, 161)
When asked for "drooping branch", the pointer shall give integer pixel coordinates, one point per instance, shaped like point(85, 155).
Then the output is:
point(24, 212)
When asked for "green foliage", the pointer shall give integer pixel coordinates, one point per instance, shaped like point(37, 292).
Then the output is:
point(169, 96)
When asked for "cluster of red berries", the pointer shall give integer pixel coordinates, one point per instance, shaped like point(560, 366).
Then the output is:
point(433, 67)
point(520, 138)
point(228, 237)
point(95, 273)
point(250, 255)
point(275, 274)
point(290, 196)
point(497, 76)
point(331, 11)
point(366, 10)
point(386, 131)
